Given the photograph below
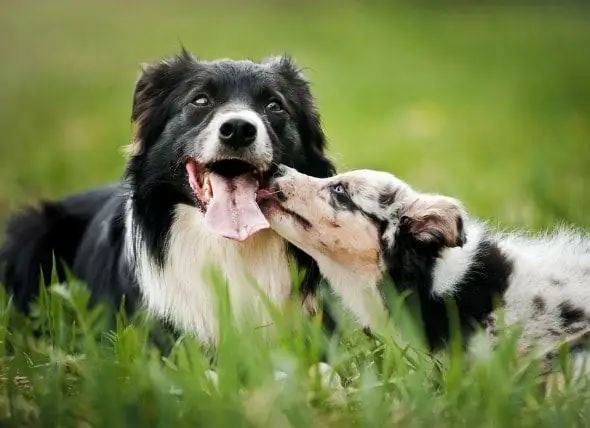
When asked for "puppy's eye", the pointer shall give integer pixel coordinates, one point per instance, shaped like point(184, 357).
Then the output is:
point(340, 196)
point(339, 189)
point(274, 106)
point(201, 100)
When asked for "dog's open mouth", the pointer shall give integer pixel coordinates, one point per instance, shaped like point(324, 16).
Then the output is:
point(228, 191)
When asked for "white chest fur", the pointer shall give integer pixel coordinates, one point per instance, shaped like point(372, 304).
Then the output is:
point(183, 290)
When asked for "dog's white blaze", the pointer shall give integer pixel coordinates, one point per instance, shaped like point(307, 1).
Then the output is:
point(182, 292)
point(260, 151)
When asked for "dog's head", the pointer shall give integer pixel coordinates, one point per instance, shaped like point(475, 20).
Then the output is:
point(207, 134)
point(360, 218)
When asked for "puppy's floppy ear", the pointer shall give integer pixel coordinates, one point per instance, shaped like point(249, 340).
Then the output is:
point(434, 220)
point(150, 111)
point(308, 118)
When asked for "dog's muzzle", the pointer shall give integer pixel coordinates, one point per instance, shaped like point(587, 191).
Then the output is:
point(227, 175)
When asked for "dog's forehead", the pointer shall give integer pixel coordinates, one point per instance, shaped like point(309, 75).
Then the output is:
point(365, 179)
point(236, 66)
point(240, 73)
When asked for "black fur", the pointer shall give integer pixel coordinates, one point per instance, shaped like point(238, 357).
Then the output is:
point(35, 236)
point(86, 231)
point(411, 264)
point(387, 198)
point(570, 314)
point(572, 317)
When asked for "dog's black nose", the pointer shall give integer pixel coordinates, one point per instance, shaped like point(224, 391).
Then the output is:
point(237, 133)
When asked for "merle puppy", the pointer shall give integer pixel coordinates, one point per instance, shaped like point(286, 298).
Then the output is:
point(364, 226)
point(206, 137)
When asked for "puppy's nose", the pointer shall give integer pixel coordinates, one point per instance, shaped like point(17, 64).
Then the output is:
point(279, 171)
point(237, 133)
point(275, 182)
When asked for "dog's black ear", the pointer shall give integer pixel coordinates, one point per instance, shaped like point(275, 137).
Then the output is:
point(433, 220)
point(310, 127)
point(150, 110)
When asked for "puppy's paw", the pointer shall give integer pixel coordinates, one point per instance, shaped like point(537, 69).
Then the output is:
point(280, 375)
point(212, 377)
point(329, 378)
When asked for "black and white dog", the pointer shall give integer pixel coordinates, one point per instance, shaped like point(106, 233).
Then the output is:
point(362, 226)
point(206, 137)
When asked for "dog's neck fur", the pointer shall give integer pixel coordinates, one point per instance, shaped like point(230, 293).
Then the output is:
point(182, 288)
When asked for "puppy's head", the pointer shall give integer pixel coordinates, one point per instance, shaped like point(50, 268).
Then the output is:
point(206, 133)
point(359, 217)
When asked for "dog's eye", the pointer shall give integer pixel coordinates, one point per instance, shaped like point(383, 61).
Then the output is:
point(341, 197)
point(274, 106)
point(201, 100)
point(339, 189)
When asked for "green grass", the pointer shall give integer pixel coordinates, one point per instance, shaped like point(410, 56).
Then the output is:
point(488, 104)
point(82, 374)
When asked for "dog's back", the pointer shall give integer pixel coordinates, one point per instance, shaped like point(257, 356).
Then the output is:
point(549, 285)
point(555, 261)
point(35, 237)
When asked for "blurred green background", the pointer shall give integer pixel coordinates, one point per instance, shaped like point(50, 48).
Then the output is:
point(490, 104)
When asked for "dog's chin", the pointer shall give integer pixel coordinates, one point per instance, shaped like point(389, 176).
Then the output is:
point(227, 193)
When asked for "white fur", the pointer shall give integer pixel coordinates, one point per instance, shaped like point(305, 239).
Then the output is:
point(555, 267)
point(453, 264)
point(369, 184)
point(356, 289)
point(182, 292)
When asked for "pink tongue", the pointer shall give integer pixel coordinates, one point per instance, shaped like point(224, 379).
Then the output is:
point(233, 212)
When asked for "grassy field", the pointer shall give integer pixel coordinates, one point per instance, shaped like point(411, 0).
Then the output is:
point(489, 104)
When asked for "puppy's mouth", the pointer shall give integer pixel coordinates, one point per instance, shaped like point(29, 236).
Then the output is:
point(227, 191)
point(272, 200)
